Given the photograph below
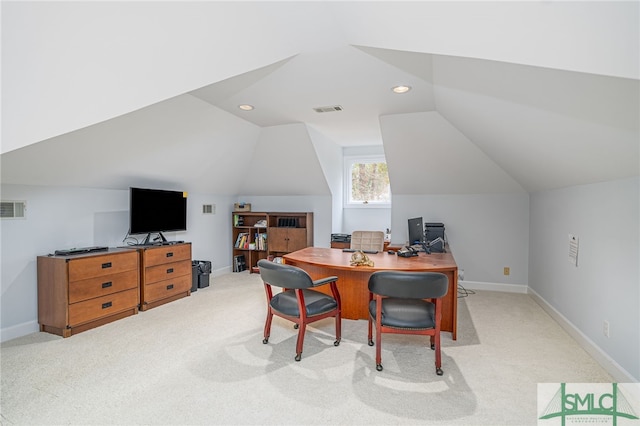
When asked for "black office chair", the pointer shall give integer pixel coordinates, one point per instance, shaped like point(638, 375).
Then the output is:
point(298, 302)
point(397, 305)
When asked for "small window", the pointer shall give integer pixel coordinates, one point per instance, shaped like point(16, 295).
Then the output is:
point(367, 182)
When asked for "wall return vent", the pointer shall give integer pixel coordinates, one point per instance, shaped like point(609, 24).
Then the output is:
point(13, 209)
point(328, 108)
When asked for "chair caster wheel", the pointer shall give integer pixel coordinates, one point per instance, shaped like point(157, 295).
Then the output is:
point(433, 347)
point(379, 367)
point(295, 326)
point(298, 357)
point(337, 342)
point(265, 341)
point(439, 371)
point(370, 342)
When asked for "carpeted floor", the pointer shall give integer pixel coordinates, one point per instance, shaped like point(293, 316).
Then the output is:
point(200, 360)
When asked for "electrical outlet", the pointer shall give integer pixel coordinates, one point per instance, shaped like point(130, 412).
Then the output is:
point(507, 270)
point(605, 328)
point(461, 274)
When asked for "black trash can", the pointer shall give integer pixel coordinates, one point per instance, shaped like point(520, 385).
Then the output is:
point(201, 271)
point(195, 271)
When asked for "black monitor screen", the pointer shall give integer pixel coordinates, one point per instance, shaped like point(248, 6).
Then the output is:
point(156, 210)
point(416, 234)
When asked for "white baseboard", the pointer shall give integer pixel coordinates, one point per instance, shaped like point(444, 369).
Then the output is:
point(507, 288)
point(618, 373)
point(18, 330)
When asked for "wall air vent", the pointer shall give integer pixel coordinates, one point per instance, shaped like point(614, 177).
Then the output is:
point(208, 209)
point(328, 108)
point(13, 209)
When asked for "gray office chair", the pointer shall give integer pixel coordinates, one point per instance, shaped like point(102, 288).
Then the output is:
point(397, 305)
point(367, 240)
point(298, 302)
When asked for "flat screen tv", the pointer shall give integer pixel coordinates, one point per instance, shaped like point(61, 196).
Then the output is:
point(156, 211)
point(416, 233)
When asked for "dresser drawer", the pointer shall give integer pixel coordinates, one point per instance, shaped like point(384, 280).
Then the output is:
point(98, 266)
point(167, 271)
point(167, 288)
point(102, 286)
point(103, 306)
point(160, 255)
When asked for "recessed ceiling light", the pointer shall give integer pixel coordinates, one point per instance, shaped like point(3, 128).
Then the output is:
point(401, 89)
point(245, 107)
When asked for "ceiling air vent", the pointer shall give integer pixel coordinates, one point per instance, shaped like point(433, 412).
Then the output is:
point(13, 209)
point(328, 108)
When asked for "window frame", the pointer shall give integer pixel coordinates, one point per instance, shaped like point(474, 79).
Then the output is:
point(348, 164)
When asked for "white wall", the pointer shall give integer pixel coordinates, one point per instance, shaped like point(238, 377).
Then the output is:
point(129, 53)
point(605, 285)
point(426, 154)
point(127, 56)
point(486, 232)
point(571, 35)
point(284, 162)
point(366, 219)
point(331, 160)
point(59, 218)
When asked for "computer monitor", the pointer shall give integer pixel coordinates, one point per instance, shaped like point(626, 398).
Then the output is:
point(416, 232)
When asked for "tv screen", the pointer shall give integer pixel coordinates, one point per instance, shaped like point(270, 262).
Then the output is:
point(156, 210)
point(416, 234)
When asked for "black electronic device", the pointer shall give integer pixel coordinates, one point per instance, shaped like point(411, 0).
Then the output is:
point(407, 252)
point(416, 234)
point(340, 238)
point(156, 211)
point(80, 250)
point(350, 250)
point(434, 236)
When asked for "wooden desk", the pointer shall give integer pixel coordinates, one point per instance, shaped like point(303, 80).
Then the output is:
point(345, 245)
point(353, 281)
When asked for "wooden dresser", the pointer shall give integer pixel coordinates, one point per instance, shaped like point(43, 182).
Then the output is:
point(165, 273)
point(80, 292)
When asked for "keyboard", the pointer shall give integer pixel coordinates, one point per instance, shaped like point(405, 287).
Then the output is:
point(81, 250)
point(349, 250)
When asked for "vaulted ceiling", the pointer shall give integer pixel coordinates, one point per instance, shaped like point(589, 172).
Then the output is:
point(505, 97)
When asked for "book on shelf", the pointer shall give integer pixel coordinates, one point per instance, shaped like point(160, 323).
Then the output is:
point(242, 241)
point(260, 239)
point(238, 220)
point(239, 263)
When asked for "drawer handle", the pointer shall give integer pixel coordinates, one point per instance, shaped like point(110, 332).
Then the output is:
point(169, 271)
point(106, 305)
point(170, 286)
point(170, 254)
point(107, 284)
point(106, 265)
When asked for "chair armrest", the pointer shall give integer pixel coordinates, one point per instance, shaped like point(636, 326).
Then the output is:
point(323, 281)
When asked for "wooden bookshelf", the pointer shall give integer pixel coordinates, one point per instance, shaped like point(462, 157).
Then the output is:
point(276, 234)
